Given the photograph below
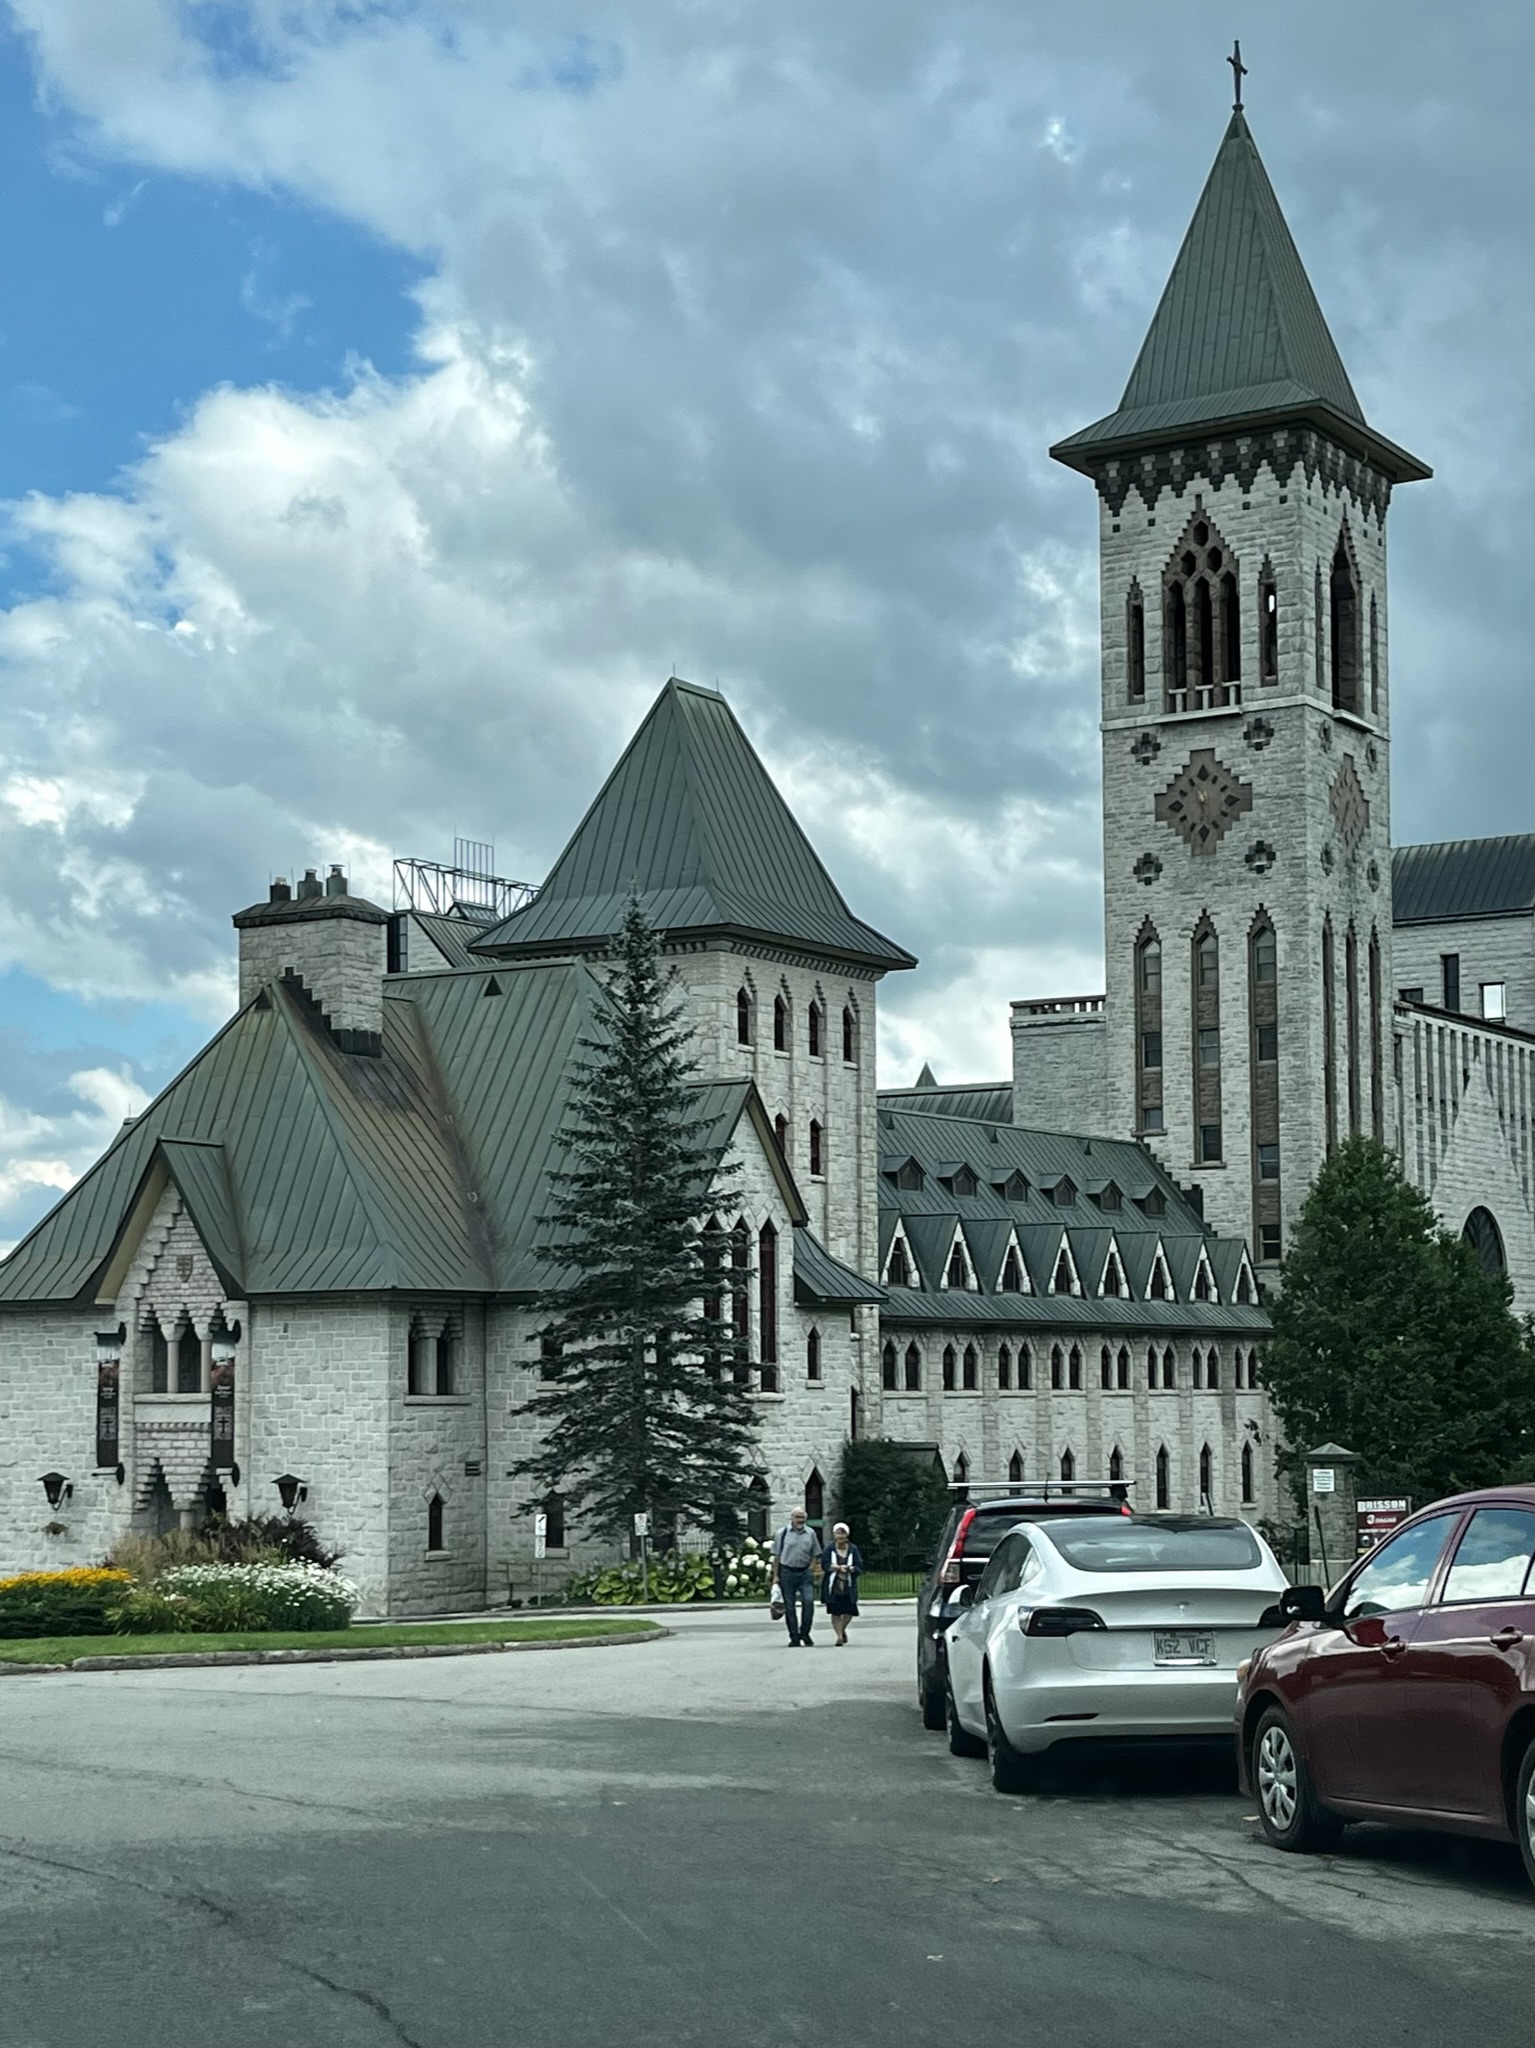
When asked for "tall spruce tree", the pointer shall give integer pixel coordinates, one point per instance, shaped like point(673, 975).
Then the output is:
point(1390, 1338)
point(642, 1400)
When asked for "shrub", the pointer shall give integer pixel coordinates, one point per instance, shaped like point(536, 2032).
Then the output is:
point(238, 1599)
point(895, 1497)
point(70, 1603)
point(259, 1539)
point(743, 1573)
point(674, 1577)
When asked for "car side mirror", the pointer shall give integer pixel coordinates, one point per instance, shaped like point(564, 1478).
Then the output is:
point(1303, 1603)
point(965, 1597)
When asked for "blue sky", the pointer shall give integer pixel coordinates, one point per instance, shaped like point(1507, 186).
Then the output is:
point(391, 394)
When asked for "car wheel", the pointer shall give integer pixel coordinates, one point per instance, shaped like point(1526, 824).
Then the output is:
point(961, 1741)
point(934, 1707)
point(1524, 1810)
point(1288, 1809)
point(1010, 1772)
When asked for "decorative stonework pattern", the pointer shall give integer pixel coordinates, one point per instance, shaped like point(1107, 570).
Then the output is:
point(1258, 733)
point(1372, 874)
point(1328, 860)
point(1147, 868)
point(1260, 856)
point(1371, 756)
point(1146, 748)
point(1350, 806)
point(1203, 800)
point(1324, 738)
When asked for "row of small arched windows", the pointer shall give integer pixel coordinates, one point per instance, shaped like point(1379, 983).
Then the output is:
point(961, 1368)
point(815, 1027)
point(1162, 1469)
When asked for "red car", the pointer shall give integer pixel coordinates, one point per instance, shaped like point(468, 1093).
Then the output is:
point(1407, 1693)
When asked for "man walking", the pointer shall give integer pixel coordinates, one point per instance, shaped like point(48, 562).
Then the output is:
point(796, 1550)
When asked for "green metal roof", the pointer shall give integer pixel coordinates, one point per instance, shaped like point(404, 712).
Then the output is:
point(1238, 338)
point(818, 1277)
point(1463, 878)
point(985, 1101)
point(691, 820)
point(311, 1170)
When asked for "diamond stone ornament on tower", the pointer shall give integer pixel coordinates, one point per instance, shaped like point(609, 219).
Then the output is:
point(1349, 805)
point(1203, 800)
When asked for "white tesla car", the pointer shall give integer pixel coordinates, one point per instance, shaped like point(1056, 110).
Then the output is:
point(1110, 1629)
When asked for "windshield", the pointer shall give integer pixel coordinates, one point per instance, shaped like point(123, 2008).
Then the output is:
point(1177, 1544)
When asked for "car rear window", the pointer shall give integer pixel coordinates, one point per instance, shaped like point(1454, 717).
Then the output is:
point(1194, 1545)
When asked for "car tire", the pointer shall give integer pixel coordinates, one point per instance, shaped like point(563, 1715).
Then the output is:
point(1523, 1815)
point(1289, 1812)
point(961, 1741)
point(934, 1705)
point(1010, 1770)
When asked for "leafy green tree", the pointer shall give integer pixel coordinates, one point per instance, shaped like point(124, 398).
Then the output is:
point(1391, 1339)
point(641, 1401)
point(894, 1498)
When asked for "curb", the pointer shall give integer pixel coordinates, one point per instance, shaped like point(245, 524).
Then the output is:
point(181, 1660)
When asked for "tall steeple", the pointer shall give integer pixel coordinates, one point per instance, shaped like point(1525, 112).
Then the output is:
point(1238, 338)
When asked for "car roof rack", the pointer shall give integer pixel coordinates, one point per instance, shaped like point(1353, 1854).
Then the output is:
point(1042, 1489)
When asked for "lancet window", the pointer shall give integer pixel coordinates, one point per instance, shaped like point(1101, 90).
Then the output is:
point(1202, 623)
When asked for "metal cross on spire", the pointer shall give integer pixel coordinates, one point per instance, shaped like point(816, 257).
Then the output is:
point(1238, 73)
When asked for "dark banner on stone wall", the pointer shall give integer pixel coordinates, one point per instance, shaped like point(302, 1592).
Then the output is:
point(221, 1381)
point(108, 1402)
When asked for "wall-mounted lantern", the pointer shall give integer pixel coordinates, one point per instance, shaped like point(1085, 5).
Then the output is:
point(290, 1491)
point(57, 1488)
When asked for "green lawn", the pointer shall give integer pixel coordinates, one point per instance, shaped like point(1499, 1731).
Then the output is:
point(64, 1649)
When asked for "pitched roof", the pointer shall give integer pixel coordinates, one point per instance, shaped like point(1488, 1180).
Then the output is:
point(818, 1277)
point(1463, 878)
point(985, 1101)
point(310, 1170)
point(1238, 335)
point(691, 820)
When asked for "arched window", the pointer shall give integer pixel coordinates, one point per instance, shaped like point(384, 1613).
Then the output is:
point(741, 1302)
point(817, 1150)
point(553, 1507)
point(1148, 1030)
point(1345, 630)
point(551, 1352)
point(1213, 1369)
point(887, 1368)
point(1135, 645)
point(1374, 656)
point(1061, 1283)
point(1321, 631)
point(781, 1133)
point(849, 1037)
point(814, 1030)
point(948, 1368)
point(812, 1354)
point(444, 1362)
point(913, 1369)
point(1164, 1478)
point(1202, 1282)
point(1116, 1463)
point(1177, 649)
point(743, 1017)
point(1012, 1272)
point(1204, 639)
point(1068, 1465)
point(1025, 1368)
point(1199, 1367)
point(970, 1374)
point(1249, 1491)
point(1169, 1367)
point(189, 1362)
point(1057, 1367)
point(1231, 633)
point(1268, 623)
point(1015, 1469)
point(1105, 1367)
point(1377, 1046)
point(1480, 1231)
point(434, 1519)
point(780, 1025)
point(897, 1266)
point(1113, 1275)
point(815, 1499)
point(1202, 630)
point(1004, 1367)
point(1351, 1024)
point(758, 1509)
point(159, 1360)
point(1206, 1477)
point(958, 1275)
point(767, 1306)
point(1151, 1366)
point(1122, 1370)
point(1207, 1045)
point(1329, 1038)
point(1074, 1367)
point(1158, 1289)
point(961, 1470)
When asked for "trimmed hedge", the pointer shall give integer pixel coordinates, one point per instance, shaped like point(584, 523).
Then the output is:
point(82, 1602)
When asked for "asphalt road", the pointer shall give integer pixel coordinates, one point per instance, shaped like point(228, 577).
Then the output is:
point(710, 1840)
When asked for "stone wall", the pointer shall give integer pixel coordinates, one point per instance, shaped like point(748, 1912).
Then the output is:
point(1490, 949)
point(1060, 1066)
point(48, 1424)
point(340, 960)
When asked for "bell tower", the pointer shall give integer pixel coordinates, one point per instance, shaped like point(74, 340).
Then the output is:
point(1246, 722)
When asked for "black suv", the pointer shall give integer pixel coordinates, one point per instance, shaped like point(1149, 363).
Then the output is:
point(972, 1532)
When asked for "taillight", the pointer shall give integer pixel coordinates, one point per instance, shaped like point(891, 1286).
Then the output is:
point(949, 1570)
point(1059, 1621)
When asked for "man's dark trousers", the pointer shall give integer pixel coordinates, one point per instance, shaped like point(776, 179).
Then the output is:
point(798, 1590)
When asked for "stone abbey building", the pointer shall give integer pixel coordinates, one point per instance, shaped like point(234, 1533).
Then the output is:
point(311, 1259)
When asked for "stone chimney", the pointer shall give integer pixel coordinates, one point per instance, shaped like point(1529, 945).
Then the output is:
point(331, 944)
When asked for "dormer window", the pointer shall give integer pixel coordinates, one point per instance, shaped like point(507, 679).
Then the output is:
point(958, 1275)
point(1109, 1197)
point(1012, 1272)
point(1064, 1279)
point(909, 1176)
point(1014, 1189)
point(1245, 1286)
point(898, 1265)
point(1161, 1288)
point(1114, 1276)
point(1153, 1203)
point(1064, 1193)
point(959, 1180)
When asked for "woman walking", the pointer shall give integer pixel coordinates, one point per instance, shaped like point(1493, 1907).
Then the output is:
point(840, 1566)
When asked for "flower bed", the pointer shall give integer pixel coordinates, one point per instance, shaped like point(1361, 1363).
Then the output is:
point(673, 1577)
point(221, 1598)
point(81, 1602)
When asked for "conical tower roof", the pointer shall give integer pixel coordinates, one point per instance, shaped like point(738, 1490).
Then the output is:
point(1238, 338)
point(691, 821)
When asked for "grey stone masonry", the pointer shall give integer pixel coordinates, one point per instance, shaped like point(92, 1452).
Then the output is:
point(335, 943)
point(1257, 798)
point(1060, 1074)
point(1494, 966)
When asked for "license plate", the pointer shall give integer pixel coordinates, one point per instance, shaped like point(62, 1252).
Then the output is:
point(1183, 1646)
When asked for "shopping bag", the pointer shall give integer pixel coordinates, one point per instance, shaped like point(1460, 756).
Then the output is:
point(775, 1606)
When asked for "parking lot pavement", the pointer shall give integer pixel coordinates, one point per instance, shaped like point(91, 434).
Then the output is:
point(709, 1839)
